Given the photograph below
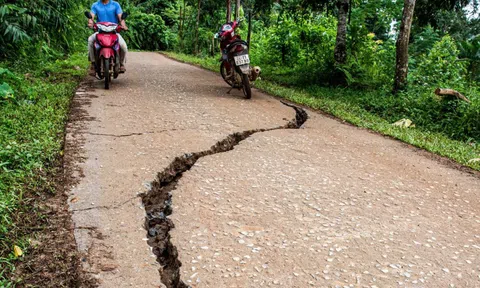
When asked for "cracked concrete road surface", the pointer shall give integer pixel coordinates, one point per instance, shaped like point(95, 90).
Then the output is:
point(328, 205)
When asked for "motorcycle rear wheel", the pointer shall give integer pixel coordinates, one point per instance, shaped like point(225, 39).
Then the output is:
point(106, 73)
point(247, 89)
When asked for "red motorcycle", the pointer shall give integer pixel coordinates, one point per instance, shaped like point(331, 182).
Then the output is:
point(235, 67)
point(107, 49)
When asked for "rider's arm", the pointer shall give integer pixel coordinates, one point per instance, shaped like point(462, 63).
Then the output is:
point(122, 22)
point(91, 23)
point(93, 11)
point(119, 12)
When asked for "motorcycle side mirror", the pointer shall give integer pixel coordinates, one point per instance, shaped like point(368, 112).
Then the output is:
point(88, 14)
point(124, 15)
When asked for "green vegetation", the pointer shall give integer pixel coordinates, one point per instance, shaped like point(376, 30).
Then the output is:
point(39, 71)
point(32, 121)
point(151, 24)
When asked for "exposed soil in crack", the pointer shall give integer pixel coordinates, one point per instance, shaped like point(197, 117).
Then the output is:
point(158, 201)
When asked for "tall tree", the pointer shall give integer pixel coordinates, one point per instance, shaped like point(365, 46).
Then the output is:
point(341, 42)
point(249, 37)
point(197, 26)
point(401, 69)
point(237, 10)
point(229, 11)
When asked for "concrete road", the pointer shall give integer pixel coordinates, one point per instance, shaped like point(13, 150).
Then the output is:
point(328, 205)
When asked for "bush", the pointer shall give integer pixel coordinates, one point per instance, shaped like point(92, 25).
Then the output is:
point(441, 67)
point(372, 63)
point(164, 8)
point(148, 32)
point(30, 24)
point(296, 52)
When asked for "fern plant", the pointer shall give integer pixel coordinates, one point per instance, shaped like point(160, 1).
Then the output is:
point(470, 51)
point(14, 22)
point(27, 24)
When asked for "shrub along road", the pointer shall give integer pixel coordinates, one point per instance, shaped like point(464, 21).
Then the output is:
point(325, 205)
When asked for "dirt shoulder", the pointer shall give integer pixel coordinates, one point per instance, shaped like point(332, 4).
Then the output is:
point(53, 259)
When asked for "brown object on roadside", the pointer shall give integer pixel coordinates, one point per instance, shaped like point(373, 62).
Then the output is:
point(451, 92)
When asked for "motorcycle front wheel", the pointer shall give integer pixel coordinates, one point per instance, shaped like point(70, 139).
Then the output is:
point(106, 73)
point(247, 89)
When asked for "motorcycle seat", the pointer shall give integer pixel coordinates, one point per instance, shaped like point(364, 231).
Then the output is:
point(236, 42)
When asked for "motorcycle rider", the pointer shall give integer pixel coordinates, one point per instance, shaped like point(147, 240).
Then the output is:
point(107, 11)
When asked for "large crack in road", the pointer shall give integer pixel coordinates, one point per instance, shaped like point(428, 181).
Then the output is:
point(158, 201)
point(332, 203)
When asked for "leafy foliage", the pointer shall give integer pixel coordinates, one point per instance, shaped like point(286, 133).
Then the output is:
point(441, 66)
point(31, 126)
point(470, 51)
point(6, 92)
point(148, 32)
point(425, 10)
point(424, 41)
point(34, 23)
point(167, 9)
point(14, 23)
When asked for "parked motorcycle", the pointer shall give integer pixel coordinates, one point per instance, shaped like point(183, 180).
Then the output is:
point(107, 49)
point(235, 67)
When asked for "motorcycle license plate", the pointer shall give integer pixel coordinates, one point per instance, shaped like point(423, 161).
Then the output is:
point(242, 60)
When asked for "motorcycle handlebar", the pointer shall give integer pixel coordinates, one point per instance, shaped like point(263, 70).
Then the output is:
point(119, 28)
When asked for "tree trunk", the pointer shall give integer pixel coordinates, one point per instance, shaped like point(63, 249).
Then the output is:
point(180, 28)
point(341, 42)
point(212, 48)
point(182, 24)
point(237, 10)
point(401, 69)
point(249, 37)
point(196, 28)
point(229, 11)
point(350, 12)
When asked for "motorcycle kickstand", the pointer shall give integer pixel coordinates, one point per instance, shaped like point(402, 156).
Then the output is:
point(229, 91)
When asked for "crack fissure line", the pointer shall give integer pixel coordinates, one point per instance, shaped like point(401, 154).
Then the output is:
point(158, 201)
point(116, 206)
point(130, 134)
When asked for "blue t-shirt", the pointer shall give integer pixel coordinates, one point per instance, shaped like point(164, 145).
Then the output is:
point(107, 12)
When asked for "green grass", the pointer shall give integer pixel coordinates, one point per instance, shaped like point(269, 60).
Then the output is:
point(31, 135)
point(356, 107)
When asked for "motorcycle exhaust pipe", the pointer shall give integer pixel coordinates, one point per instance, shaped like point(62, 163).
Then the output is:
point(255, 73)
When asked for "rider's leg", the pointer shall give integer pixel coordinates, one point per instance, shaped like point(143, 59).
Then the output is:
point(123, 52)
point(91, 53)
